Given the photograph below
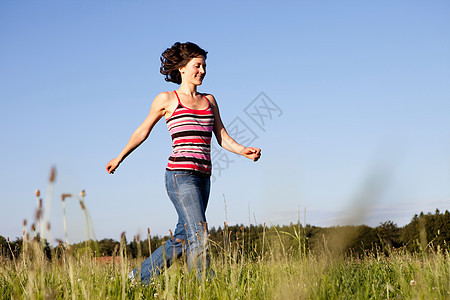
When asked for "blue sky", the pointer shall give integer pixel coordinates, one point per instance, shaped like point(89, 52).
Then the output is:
point(361, 134)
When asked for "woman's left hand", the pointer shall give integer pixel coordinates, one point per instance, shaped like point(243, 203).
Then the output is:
point(252, 153)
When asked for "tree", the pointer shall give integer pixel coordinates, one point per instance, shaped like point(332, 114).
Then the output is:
point(389, 234)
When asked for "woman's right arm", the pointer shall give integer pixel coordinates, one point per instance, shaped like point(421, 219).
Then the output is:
point(157, 111)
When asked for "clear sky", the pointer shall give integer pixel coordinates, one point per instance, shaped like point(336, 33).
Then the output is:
point(353, 121)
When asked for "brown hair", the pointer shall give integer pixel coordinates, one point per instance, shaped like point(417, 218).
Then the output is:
point(177, 57)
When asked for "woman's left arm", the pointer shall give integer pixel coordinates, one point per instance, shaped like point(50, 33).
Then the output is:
point(225, 140)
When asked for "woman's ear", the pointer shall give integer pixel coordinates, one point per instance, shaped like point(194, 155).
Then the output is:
point(182, 69)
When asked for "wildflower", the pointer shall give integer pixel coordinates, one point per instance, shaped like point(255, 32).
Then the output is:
point(133, 283)
point(155, 295)
point(412, 282)
point(79, 279)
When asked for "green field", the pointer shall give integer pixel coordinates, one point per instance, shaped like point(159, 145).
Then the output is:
point(255, 262)
point(242, 272)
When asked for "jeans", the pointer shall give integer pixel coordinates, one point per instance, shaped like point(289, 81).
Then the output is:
point(189, 193)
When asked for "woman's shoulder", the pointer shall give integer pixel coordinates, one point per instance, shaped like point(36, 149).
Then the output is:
point(165, 95)
point(165, 98)
point(210, 97)
point(165, 101)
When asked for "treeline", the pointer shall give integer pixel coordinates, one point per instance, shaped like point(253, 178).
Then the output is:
point(425, 231)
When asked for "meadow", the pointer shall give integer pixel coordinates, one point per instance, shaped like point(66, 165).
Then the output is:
point(274, 273)
point(249, 263)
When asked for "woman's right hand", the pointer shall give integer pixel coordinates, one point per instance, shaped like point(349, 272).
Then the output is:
point(112, 165)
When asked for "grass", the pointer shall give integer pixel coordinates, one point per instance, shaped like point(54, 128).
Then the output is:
point(239, 275)
point(274, 271)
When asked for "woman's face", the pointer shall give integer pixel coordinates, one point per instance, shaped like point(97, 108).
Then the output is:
point(194, 71)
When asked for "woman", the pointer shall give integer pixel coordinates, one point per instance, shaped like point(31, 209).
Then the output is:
point(191, 118)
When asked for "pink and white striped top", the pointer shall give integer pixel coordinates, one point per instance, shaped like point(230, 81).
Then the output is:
point(191, 131)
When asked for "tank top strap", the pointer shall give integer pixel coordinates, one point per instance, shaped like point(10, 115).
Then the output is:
point(179, 101)
point(209, 103)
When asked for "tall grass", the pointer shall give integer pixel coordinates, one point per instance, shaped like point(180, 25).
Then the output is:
point(243, 271)
point(239, 275)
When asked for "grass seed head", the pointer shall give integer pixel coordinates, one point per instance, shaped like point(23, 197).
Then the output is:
point(52, 175)
point(83, 194)
point(64, 196)
point(37, 193)
point(38, 214)
point(83, 207)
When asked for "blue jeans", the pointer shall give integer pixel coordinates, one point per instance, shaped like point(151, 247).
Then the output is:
point(189, 193)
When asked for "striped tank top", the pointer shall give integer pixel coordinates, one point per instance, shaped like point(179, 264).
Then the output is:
point(191, 131)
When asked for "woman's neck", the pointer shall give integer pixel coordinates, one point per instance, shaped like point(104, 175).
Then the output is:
point(188, 89)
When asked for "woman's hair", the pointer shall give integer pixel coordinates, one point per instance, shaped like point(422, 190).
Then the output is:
point(177, 57)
